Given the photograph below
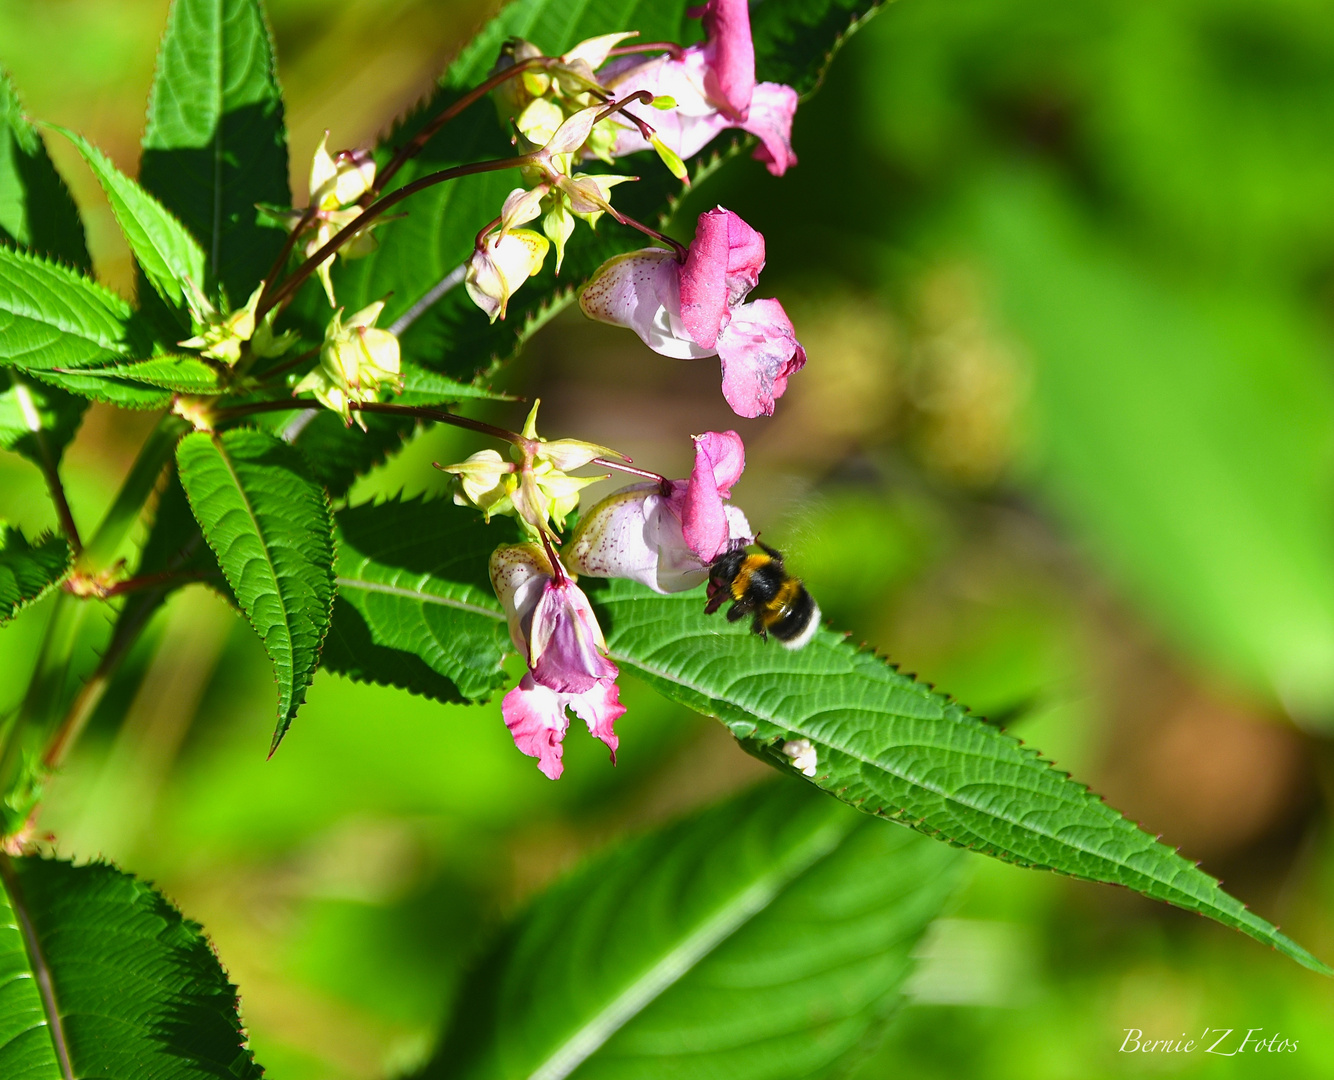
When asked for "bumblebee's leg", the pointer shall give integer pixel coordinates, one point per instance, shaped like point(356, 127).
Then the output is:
point(739, 610)
point(758, 627)
point(777, 556)
point(716, 601)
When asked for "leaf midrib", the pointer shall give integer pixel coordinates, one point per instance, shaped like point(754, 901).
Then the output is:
point(728, 918)
point(268, 559)
point(410, 594)
point(41, 970)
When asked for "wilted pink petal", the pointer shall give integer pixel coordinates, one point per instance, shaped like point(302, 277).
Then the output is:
point(536, 718)
point(600, 707)
point(641, 291)
point(771, 111)
point(730, 52)
point(720, 456)
point(565, 646)
point(759, 350)
point(723, 265)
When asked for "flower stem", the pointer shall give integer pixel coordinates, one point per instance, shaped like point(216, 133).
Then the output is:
point(288, 287)
point(608, 463)
point(47, 463)
point(682, 252)
point(440, 416)
point(414, 146)
point(671, 47)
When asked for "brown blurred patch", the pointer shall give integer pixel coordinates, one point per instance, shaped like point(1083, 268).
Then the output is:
point(1220, 778)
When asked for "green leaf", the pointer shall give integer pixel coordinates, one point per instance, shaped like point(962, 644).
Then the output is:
point(36, 209)
point(270, 526)
point(767, 937)
point(215, 144)
point(183, 374)
point(338, 454)
point(421, 386)
point(53, 317)
point(796, 39)
point(29, 571)
point(101, 386)
point(894, 747)
point(415, 607)
point(167, 254)
point(101, 976)
point(37, 421)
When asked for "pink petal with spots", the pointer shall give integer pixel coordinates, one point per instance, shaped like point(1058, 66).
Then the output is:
point(640, 291)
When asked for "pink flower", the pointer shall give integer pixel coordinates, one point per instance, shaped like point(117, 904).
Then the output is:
point(551, 623)
point(714, 88)
point(696, 310)
point(666, 535)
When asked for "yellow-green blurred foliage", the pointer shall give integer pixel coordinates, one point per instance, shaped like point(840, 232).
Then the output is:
point(1065, 274)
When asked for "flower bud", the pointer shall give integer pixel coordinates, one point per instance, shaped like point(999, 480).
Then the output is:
point(486, 481)
point(355, 360)
point(504, 263)
point(341, 179)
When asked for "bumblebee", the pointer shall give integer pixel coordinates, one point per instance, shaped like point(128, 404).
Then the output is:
point(758, 585)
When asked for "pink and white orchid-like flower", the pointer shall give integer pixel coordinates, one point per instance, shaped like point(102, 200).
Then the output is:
point(714, 88)
point(696, 309)
point(666, 535)
point(551, 623)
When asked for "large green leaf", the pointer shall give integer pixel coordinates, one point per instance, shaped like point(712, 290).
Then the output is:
point(215, 144)
point(894, 747)
point(101, 977)
point(415, 608)
point(271, 528)
point(52, 317)
point(36, 210)
point(165, 251)
point(27, 571)
point(767, 937)
point(37, 421)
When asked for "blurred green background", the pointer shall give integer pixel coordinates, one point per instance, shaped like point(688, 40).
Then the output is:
point(1064, 447)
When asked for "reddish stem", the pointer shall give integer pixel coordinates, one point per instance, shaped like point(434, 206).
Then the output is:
point(414, 146)
point(676, 51)
point(371, 213)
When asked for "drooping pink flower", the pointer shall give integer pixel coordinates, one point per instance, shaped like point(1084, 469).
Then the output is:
point(551, 623)
point(697, 309)
point(713, 85)
point(666, 535)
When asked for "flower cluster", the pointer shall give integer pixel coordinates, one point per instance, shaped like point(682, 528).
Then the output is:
point(356, 359)
point(535, 487)
point(572, 108)
point(663, 534)
point(714, 88)
point(336, 183)
point(685, 302)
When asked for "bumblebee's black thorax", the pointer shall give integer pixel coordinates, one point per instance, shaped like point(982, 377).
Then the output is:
point(760, 586)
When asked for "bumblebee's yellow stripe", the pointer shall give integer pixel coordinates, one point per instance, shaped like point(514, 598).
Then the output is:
point(749, 565)
point(778, 607)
